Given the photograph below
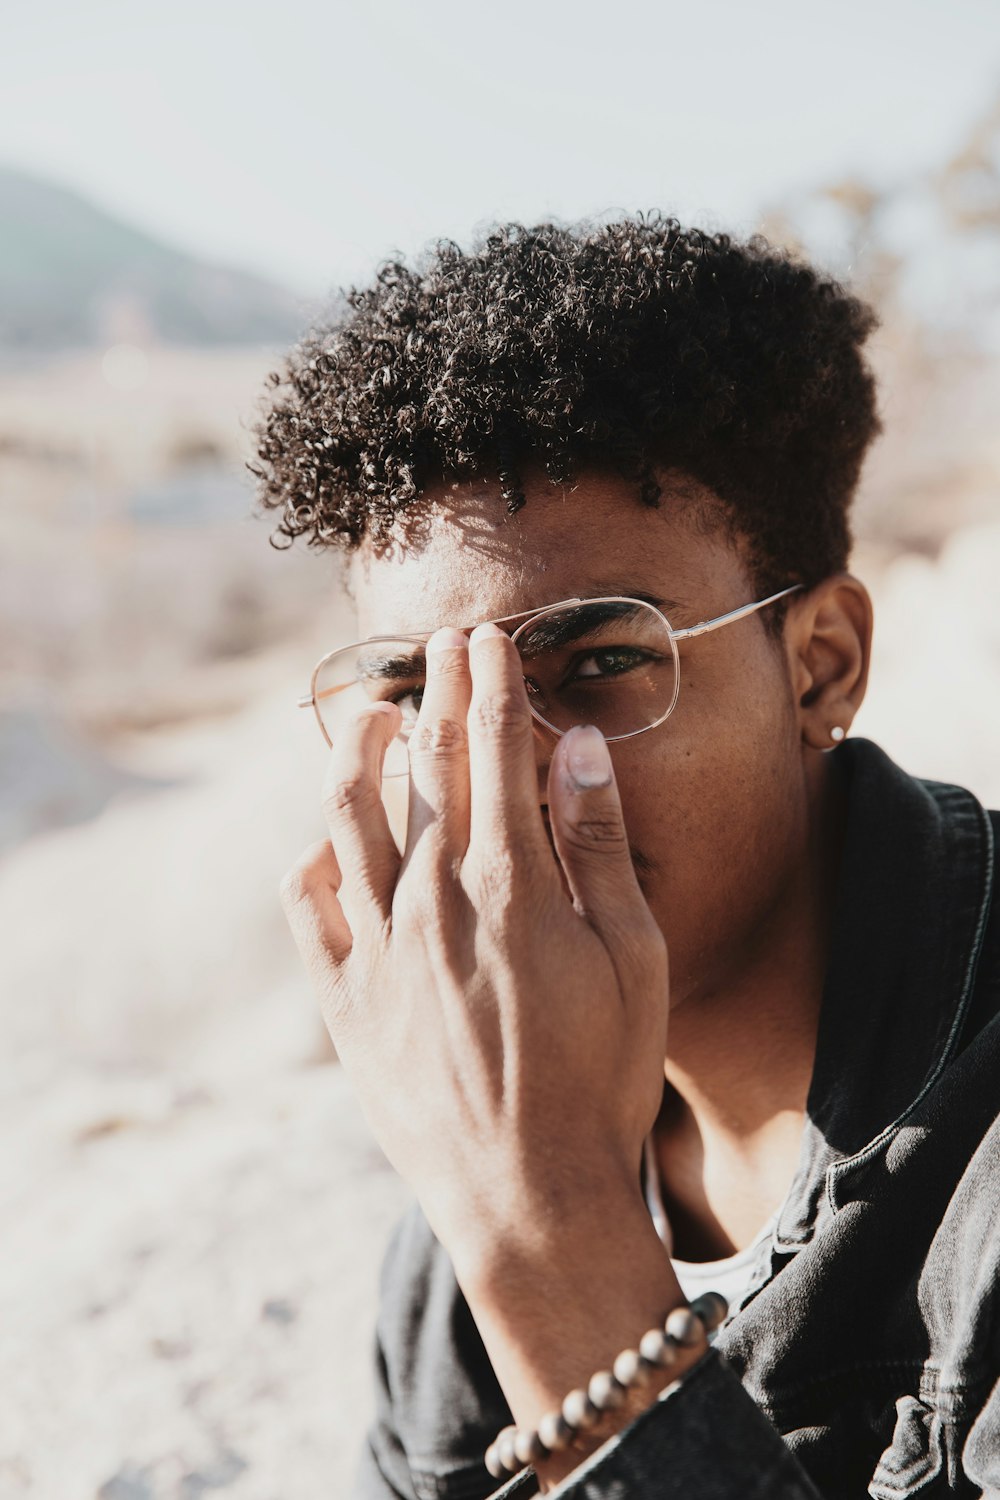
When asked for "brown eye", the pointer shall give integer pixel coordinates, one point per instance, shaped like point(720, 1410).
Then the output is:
point(612, 661)
point(409, 701)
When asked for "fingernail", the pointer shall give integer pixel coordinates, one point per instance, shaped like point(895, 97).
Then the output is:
point(588, 758)
point(447, 640)
point(484, 632)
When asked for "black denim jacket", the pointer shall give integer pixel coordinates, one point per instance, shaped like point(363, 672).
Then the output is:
point(864, 1358)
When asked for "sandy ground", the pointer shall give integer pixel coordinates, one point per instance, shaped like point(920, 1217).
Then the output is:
point(933, 697)
point(193, 1211)
point(192, 1207)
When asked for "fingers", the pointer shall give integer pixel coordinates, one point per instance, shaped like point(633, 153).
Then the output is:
point(502, 766)
point(352, 804)
point(439, 751)
point(314, 913)
point(592, 845)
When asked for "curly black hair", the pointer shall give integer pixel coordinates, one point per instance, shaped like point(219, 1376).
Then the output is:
point(635, 345)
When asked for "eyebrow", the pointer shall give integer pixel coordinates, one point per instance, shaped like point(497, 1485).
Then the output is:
point(668, 606)
point(393, 668)
point(576, 620)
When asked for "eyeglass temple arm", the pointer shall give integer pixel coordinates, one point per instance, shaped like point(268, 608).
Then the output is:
point(734, 614)
point(310, 699)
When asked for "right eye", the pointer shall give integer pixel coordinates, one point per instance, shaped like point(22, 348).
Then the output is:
point(409, 700)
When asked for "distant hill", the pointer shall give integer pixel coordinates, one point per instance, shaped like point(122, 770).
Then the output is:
point(73, 276)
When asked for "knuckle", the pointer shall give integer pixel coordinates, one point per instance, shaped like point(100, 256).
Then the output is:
point(299, 881)
point(498, 881)
point(453, 663)
point(431, 909)
point(293, 889)
point(351, 795)
point(501, 716)
point(439, 738)
point(606, 835)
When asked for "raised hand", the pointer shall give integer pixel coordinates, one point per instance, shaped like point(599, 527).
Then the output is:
point(501, 1010)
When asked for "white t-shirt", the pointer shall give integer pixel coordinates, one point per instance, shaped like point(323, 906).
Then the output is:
point(731, 1275)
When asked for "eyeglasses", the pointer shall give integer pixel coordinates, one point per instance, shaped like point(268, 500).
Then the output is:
point(610, 661)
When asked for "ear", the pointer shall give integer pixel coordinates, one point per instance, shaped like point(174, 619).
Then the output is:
point(828, 635)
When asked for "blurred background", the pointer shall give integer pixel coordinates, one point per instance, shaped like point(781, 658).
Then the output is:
point(192, 1210)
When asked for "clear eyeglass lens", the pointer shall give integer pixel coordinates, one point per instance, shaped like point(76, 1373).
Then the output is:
point(605, 663)
point(375, 672)
point(611, 664)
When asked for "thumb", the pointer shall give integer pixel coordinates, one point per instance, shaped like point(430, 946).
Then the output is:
point(591, 841)
point(592, 844)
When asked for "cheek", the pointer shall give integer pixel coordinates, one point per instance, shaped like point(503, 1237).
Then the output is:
point(712, 802)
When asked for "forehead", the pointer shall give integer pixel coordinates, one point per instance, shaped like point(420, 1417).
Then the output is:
point(462, 557)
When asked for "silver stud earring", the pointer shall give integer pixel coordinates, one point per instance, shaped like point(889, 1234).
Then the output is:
point(836, 733)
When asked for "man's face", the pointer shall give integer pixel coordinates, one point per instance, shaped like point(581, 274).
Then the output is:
point(714, 799)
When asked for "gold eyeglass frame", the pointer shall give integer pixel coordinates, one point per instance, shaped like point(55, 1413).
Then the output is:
point(531, 617)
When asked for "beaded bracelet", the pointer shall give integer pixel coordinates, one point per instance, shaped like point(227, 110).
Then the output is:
point(683, 1328)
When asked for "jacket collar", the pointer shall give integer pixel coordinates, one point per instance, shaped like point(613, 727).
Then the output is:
point(913, 896)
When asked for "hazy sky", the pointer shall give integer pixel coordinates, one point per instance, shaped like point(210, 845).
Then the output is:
point(309, 140)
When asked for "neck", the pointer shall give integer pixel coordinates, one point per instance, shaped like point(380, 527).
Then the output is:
point(741, 1054)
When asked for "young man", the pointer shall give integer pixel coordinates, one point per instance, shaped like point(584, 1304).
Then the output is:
point(669, 988)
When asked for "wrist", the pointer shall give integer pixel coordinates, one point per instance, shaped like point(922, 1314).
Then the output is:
point(590, 1416)
point(553, 1310)
point(583, 1346)
point(531, 1236)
